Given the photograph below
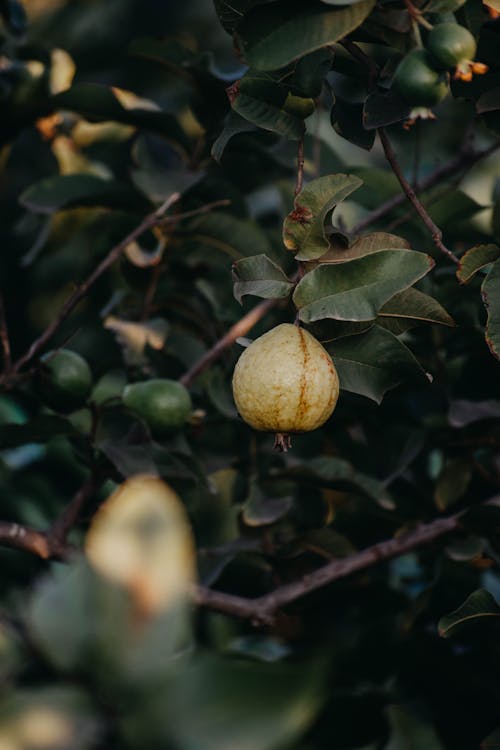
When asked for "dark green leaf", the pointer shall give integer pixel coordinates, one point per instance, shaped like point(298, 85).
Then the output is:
point(261, 510)
point(465, 549)
point(347, 120)
point(67, 191)
point(228, 234)
point(373, 363)
point(384, 109)
point(260, 277)
point(303, 228)
point(271, 37)
point(260, 99)
point(452, 483)
point(409, 731)
point(231, 12)
point(357, 290)
point(369, 243)
point(39, 430)
point(233, 125)
point(475, 259)
point(490, 290)
point(443, 6)
point(416, 306)
point(478, 607)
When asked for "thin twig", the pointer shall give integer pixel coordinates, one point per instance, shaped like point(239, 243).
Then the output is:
point(81, 291)
point(238, 329)
point(23, 537)
point(194, 212)
point(69, 516)
point(436, 233)
point(300, 165)
point(4, 337)
point(262, 609)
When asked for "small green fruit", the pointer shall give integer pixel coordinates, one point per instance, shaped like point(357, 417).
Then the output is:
point(451, 44)
point(65, 381)
point(163, 404)
point(418, 82)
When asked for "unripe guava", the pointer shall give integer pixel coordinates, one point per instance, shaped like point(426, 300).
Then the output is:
point(285, 381)
point(163, 404)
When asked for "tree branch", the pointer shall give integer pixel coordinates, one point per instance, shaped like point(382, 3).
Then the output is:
point(435, 231)
point(300, 166)
point(238, 329)
point(262, 609)
point(69, 516)
point(4, 337)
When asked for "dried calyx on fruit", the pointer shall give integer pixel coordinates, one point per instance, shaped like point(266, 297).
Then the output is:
point(453, 47)
point(285, 382)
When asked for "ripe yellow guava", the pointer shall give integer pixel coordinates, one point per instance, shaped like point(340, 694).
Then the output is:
point(285, 381)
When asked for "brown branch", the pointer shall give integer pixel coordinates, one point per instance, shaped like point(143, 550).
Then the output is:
point(300, 165)
point(262, 609)
point(22, 537)
point(238, 329)
point(69, 516)
point(435, 231)
point(81, 291)
point(4, 337)
point(464, 160)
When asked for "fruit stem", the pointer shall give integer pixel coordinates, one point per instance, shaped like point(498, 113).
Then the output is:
point(282, 442)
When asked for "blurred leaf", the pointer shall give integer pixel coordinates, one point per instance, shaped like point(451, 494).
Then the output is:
point(134, 338)
point(230, 12)
point(233, 125)
point(99, 103)
point(466, 549)
point(219, 392)
point(455, 206)
point(443, 6)
point(259, 647)
point(409, 731)
point(490, 291)
point(358, 289)
point(14, 16)
point(463, 412)
point(475, 259)
point(38, 430)
point(452, 483)
point(478, 607)
point(141, 539)
point(214, 702)
point(492, 741)
point(260, 510)
point(347, 121)
point(274, 36)
point(235, 237)
point(59, 718)
point(489, 101)
point(303, 228)
point(67, 191)
point(259, 276)
point(372, 363)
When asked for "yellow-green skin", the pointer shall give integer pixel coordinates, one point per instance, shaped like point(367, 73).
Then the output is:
point(285, 381)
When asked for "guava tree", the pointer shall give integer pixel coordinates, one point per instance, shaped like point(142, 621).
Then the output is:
point(178, 182)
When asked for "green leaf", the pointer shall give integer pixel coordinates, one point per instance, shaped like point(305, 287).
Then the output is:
point(213, 702)
point(490, 291)
point(475, 259)
point(443, 6)
point(230, 12)
point(369, 243)
point(358, 289)
point(478, 607)
point(409, 731)
point(228, 234)
point(452, 483)
point(260, 100)
point(39, 430)
point(260, 277)
point(347, 121)
point(100, 103)
point(271, 37)
point(67, 191)
point(373, 363)
point(384, 109)
point(303, 228)
point(413, 305)
point(233, 125)
point(261, 510)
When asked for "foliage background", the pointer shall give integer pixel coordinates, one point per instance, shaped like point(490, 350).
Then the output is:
point(359, 664)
